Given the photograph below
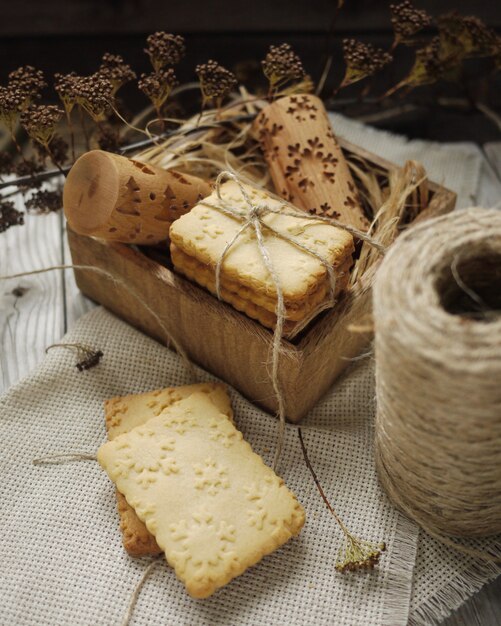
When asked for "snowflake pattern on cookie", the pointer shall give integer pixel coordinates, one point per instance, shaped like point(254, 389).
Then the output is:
point(203, 546)
point(211, 477)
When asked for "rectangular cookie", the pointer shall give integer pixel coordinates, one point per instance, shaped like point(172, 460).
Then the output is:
point(213, 505)
point(124, 413)
point(203, 233)
point(297, 315)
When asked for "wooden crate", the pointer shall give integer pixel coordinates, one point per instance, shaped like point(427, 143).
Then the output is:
point(220, 339)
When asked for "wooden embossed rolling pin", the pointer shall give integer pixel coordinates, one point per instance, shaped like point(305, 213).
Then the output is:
point(120, 199)
point(306, 162)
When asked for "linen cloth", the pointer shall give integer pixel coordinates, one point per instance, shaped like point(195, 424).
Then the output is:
point(61, 556)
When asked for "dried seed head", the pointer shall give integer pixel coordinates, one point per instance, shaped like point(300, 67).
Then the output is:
point(466, 36)
point(29, 80)
point(44, 201)
point(358, 554)
point(407, 21)
point(66, 88)
point(216, 82)
point(9, 215)
point(95, 95)
point(164, 49)
point(29, 167)
point(12, 101)
point(40, 122)
point(362, 60)
point(282, 65)
point(158, 86)
point(24, 86)
point(109, 138)
point(116, 70)
point(430, 65)
point(6, 163)
point(58, 150)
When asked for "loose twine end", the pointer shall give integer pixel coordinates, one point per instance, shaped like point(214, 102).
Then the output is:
point(64, 457)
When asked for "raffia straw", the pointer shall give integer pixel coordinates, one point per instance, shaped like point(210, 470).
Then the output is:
point(438, 424)
point(253, 217)
point(407, 197)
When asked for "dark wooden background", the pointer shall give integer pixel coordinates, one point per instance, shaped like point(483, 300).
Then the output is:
point(59, 35)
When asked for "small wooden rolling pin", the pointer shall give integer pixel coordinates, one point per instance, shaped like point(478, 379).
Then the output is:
point(306, 163)
point(120, 199)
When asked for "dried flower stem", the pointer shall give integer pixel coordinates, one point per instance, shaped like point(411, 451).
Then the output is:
point(88, 357)
point(358, 553)
point(54, 160)
point(84, 128)
point(72, 135)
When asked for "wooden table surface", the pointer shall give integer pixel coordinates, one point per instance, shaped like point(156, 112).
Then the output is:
point(36, 311)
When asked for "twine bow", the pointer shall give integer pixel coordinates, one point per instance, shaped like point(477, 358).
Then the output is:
point(253, 217)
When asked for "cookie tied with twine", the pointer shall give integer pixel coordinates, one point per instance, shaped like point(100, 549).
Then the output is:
point(251, 217)
point(437, 316)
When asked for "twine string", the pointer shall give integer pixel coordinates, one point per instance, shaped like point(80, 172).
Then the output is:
point(64, 457)
point(252, 217)
point(438, 426)
point(135, 594)
point(170, 338)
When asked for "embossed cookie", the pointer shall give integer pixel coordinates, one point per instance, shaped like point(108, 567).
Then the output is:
point(124, 413)
point(213, 505)
point(204, 232)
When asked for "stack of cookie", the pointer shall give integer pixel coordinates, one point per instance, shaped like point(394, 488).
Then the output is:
point(200, 237)
point(188, 485)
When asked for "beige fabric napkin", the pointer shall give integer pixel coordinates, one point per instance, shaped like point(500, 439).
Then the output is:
point(61, 559)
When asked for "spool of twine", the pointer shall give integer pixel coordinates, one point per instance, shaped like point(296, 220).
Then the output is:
point(437, 316)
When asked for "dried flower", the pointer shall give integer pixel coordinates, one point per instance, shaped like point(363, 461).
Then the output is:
point(6, 163)
point(164, 49)
point(116, 70)
point(9, 215)
point(109, 138)
point(44, 201)
point(216, 82)
point(88, 357)
point(362, 60)
point(66, 86)
point(58, 150)
point(91, 360)
point(282, 65)
point(12, 102)
point(158, 86)
point(40, 122)
point(429, 66)
point(29, 167)
point(463, 37)
point(94, 95)
point(357, 553)
point(29, 81)
point(407, 21)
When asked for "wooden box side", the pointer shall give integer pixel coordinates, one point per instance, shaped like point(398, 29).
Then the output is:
point(213, 334)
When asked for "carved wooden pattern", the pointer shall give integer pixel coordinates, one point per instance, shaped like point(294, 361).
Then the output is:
point(120, 199)
point(305, 160)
